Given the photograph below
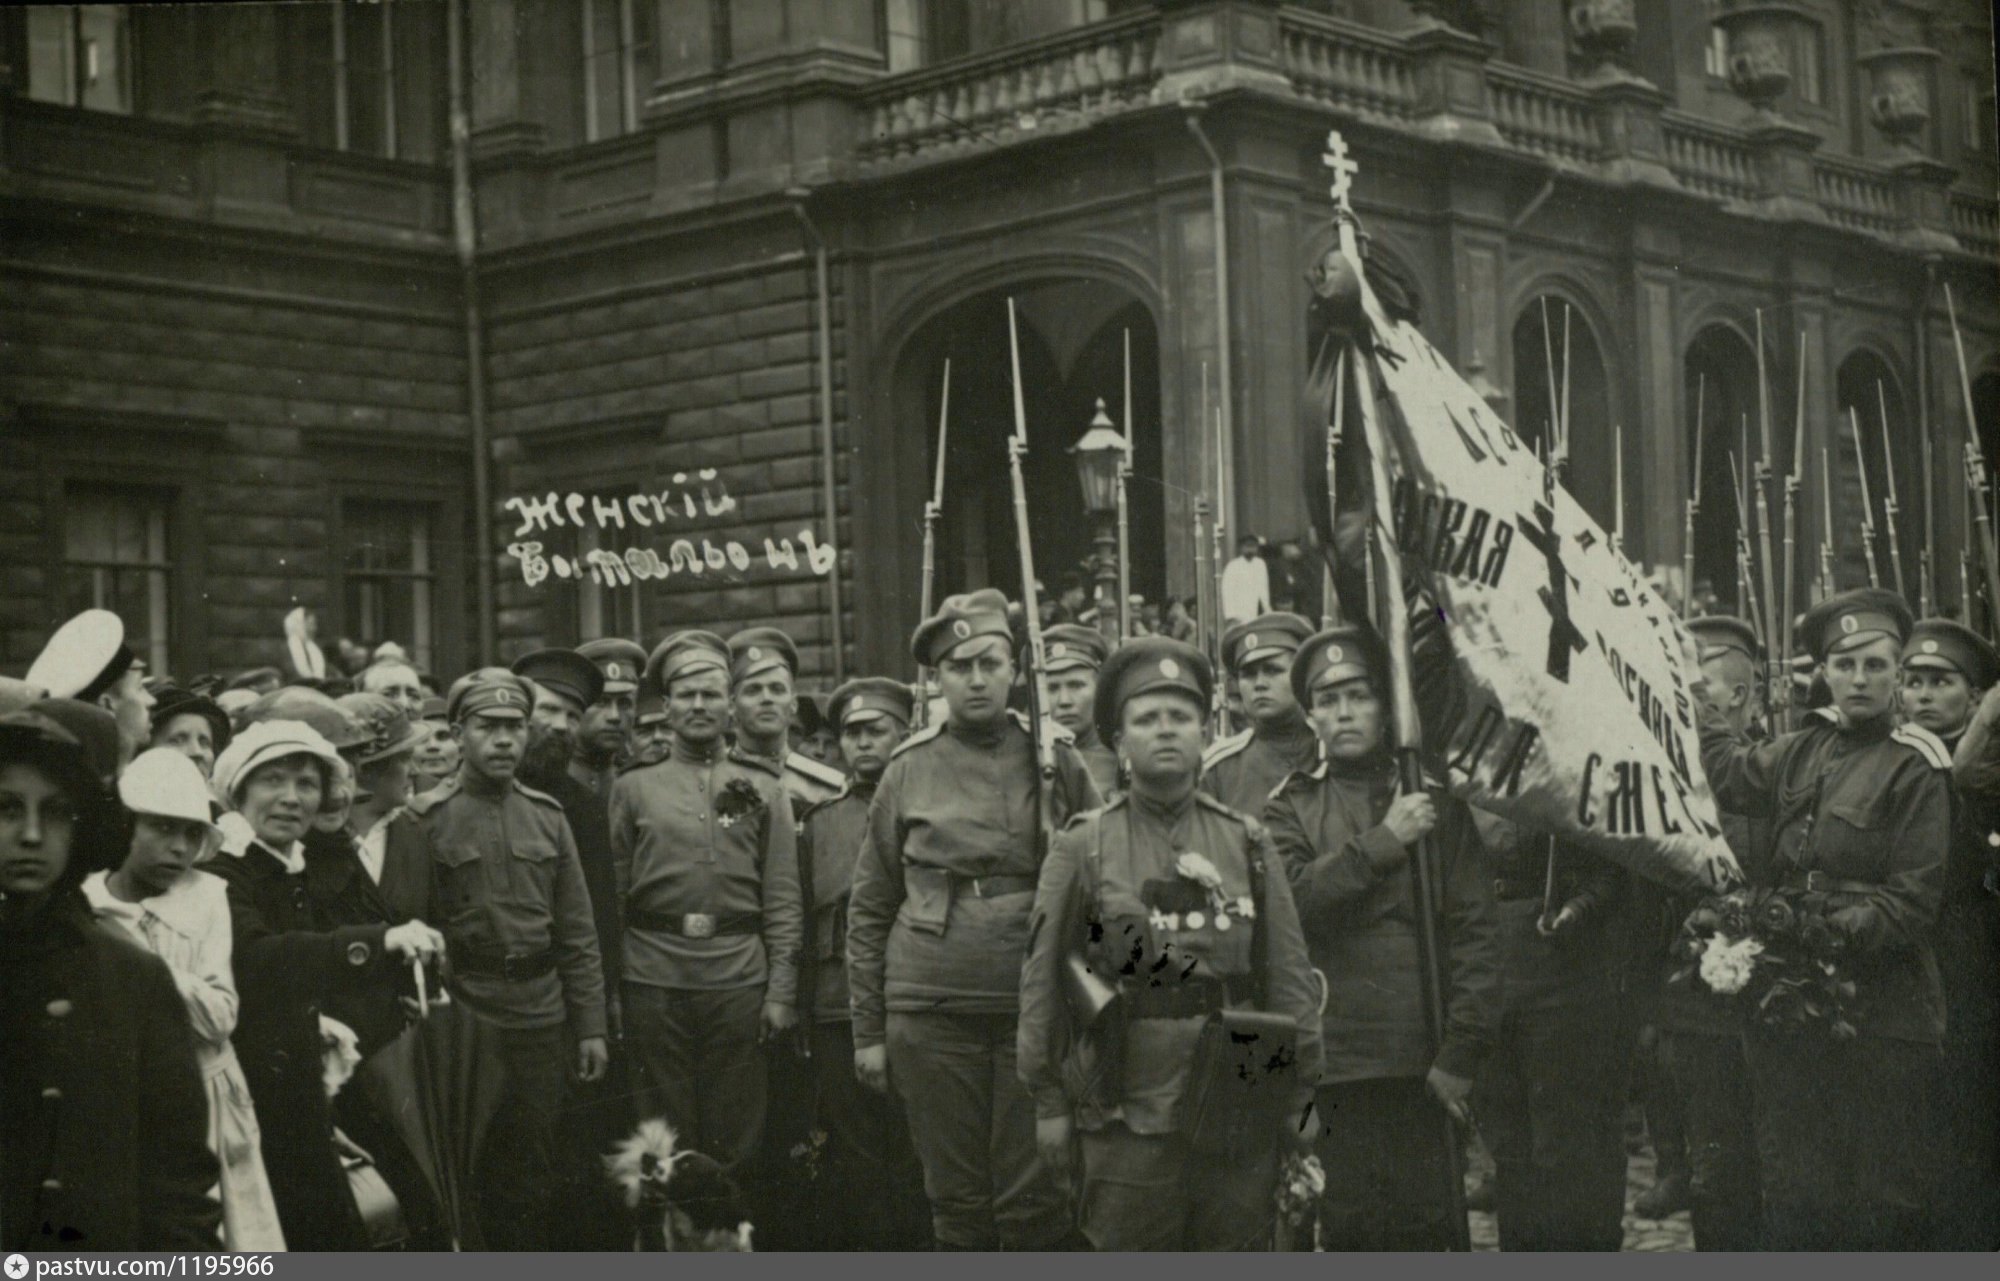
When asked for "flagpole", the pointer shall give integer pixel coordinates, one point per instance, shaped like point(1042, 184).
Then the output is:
point(1124, 508)
point(1393, 612)
point(1330, 607)
point(1794, 474)
point(1693, 501)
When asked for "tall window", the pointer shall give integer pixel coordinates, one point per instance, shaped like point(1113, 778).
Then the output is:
point(1809, 66)
point(1715, 54)
point(367, 76)
point(618, 64)
point(605, 609)
point(80, 55)
point(388, 576)
point(117, 556)
point(1975, 109)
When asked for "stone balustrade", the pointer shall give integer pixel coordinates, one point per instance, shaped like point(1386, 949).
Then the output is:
point(1856, 195)
point(1709, 159)
point(1349, 67)
point(1553, 118)
point(1975, 221)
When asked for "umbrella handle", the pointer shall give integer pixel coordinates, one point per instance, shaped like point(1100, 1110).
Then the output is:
point(423, 993)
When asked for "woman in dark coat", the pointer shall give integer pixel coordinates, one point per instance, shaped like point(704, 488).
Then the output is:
point(103, 1119)
point(289, 966)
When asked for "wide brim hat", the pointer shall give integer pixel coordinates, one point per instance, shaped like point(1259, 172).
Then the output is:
point(388, 727)
point(263, 742)
point(173, 700)
point(162, 782)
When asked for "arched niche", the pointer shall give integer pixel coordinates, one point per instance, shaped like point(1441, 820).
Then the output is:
point(1538, 350)
point(1869, 400)
point(1719, 371)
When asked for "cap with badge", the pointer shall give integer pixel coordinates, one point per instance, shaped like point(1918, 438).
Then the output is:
point(490, 691)
point(1344, 653)
point(621, 661)
point(960, 619)
point(1852, 619)
point(1148, 665)
point(756, 650)
point(1948, 645)
point(84, 658)
point(1263, 637)
point(871, 698)
point(1067, 645)
point(684, 654)
point(564, 671)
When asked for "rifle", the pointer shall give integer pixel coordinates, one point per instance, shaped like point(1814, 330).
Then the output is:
point(1889, 505)
point(1975, 472)
point(1827, 581)
point(1761, 478)
point(932, 510)
point(1031, 604)
point(1867, 506)
point(1746, 587)
point(1793, 476)
point(1693, 500)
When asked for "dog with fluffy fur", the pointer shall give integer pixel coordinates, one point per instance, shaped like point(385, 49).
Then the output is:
point(680, 1200)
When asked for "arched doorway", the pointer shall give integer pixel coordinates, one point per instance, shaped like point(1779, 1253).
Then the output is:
point(1590, 426)
point(1072, 339)
point(1720, 371)
point(1867, 395)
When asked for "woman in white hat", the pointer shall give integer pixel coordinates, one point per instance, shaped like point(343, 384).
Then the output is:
point(157, 898)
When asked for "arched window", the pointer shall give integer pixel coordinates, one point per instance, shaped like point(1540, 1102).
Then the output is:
point(1869, 399)
point(1720, 371)
point(1538, 396)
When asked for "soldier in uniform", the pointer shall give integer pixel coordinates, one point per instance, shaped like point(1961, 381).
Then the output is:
point(868, 1193)
point(1700, 1038)
point(1118, 892)
point(707, 859)
point(603, 741)
point(508, 891)
point(1241, 770)
point(1348, 833)
point(652, 738)
point(1861, 812)
point(763, 676)
point(938, 927)
point(1074, 655)
point(1947, 669)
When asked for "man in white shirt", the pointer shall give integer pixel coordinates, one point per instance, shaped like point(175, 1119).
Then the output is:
point(1246, 582)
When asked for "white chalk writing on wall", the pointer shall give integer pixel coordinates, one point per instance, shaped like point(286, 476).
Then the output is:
point(645, 511)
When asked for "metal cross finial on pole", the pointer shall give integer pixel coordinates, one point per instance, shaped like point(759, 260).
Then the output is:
point(1344, 168)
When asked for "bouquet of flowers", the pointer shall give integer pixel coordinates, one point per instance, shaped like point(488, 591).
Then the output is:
point(1301, 1183)
point(739, 801)
point(1775, 952)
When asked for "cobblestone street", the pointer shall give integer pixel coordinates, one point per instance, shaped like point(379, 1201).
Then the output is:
point(1652, 1235)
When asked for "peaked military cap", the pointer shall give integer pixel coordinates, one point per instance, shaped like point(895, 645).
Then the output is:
point(1148, 665)
point(683, 654)
point(1841, 622)
point(489, 692)
point(870, 698)
point(565, 671)
point(1338, 654)
point(1716, 633)
point(759, 649)
point(1262, 637)
point(84, 658)
point(1068, 645)
point(621, 661)
point(1946, 643)
point(960, 619)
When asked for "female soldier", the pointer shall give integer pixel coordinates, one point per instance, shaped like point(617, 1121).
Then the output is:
point(157, 898)
point(1860, 812)
point(288, 966)
point(1348, 835)
point(1182, 902)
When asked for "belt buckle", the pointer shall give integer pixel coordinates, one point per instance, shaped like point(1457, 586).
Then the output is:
point(698, 925)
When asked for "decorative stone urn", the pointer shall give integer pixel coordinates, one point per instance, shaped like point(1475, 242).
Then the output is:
point(1899, 93)
point(1762, 38)
point(1604, 31)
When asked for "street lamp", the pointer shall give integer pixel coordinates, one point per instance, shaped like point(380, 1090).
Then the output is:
point(1099, 456)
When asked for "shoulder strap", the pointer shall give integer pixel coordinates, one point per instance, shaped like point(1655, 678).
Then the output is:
point(1927, 744)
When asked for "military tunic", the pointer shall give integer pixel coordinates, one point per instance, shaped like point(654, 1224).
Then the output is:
point(1382, 1136)
point(1100, 760)
point(807, 781)
point(1143, 1187)
point(937, 930)
point(1244, 769)
point(1863, 814)
point(1968, 1194)
point(706, 852)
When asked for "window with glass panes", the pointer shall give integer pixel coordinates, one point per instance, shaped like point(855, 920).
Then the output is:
point(604, 608)
point(1715, 54)
point(618, 64)
point(1809, 67)
point(80, 55)
point(118, 555)
point(389, 576)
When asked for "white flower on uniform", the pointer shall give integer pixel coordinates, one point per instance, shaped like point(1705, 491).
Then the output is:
point(1726, 964)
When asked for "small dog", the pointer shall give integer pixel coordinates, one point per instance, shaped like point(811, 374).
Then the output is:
point(680, 1201)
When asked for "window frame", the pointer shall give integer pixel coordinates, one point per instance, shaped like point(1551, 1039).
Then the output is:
point(617, 457)
point(75, 81)
point(626, 60)
point(170, 566)
point(343, 95)
point(358, 496)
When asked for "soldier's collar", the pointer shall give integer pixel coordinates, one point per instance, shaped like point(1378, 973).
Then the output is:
point(981, 735)
point(680, 749)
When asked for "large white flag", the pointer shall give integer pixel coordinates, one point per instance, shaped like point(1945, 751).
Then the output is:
point(1573, 712)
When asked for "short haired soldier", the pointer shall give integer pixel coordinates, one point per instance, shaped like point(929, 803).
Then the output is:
point(1073, 657)
point(763, 697)
point(1181, 941)
point(1241, 770)
point(1348, 834)
point(1861, 811)
point(603, 739)
point(938, 924)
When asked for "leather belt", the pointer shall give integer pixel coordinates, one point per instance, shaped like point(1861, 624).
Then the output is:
point(1818, 882)
point(496, 963)
point(991, 886)
point(1186, 999)
point(696, 925)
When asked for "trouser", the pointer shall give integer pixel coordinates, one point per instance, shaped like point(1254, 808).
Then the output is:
point(518, 1171)
point(1388, 1174)
point(1841, 1129)
point(974, 1129)
point(1151, 1192)
point(1967, 1197)
point(697, 1063)
point(1725, 1187)
point(590, 1213)
point(1665, 1106)
point(1551, 1101)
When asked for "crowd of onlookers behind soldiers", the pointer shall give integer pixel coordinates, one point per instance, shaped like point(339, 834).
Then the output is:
point(825, 940)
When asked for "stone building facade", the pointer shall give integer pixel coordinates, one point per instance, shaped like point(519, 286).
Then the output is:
point(725, 248)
